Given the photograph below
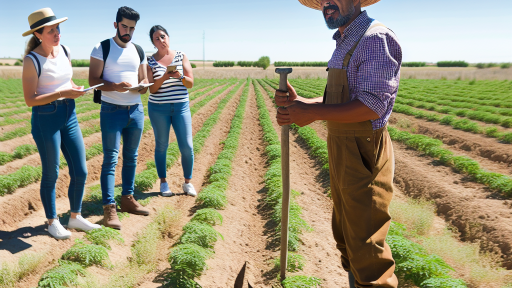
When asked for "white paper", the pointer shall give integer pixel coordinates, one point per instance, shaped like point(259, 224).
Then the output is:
point(92, 87)
point(138, 87)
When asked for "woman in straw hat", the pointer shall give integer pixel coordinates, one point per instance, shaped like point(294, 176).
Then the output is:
point(362, 84)
point(49, 90)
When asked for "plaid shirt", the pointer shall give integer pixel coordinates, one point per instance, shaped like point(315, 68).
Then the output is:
point(374, 69)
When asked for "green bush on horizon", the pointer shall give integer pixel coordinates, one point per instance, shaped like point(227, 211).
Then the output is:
point(300, 64)
point(263, 62)
point(452, 64)
point(414, 64)
point(223, 63)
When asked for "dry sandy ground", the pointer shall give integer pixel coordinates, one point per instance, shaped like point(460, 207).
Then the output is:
point(311, 72)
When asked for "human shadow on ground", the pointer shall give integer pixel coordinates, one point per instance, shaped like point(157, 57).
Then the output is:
point(13, 241)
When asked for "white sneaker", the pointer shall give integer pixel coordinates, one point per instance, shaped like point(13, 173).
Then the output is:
point(82, 224)
point(164, 189)
point(189, 189)
point(58, 231)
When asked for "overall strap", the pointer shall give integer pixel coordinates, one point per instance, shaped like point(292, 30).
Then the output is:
point(37, 64)
point(346, 60)
point(105, 48)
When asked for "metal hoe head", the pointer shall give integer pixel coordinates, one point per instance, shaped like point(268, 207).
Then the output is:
point(283, 70)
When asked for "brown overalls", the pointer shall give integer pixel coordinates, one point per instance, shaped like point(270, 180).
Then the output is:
point(361, 166)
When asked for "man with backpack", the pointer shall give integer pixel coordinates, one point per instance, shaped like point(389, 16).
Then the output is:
point(119, 64)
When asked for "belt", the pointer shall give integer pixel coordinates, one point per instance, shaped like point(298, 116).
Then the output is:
point(120, 106)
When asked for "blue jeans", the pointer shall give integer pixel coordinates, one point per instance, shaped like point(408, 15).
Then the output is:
point(54, 128)
point(162, 116)
point(119, 121)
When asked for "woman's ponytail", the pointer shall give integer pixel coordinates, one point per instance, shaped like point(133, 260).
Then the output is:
point(33, 42)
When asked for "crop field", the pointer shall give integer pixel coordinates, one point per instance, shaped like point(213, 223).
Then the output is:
point(452, 210)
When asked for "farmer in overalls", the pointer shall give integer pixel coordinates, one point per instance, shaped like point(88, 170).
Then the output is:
point(362, 84)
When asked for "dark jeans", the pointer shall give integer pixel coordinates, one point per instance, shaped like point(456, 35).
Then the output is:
point(119, 121)
point(54, 128)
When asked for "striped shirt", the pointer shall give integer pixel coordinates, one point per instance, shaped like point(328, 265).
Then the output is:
point(172, 90)
point(374, 69)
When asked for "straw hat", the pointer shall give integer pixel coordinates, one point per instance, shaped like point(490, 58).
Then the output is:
point(315, 4)
point(40, 18)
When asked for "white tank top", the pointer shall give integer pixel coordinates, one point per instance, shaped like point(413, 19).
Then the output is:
point(56, 73)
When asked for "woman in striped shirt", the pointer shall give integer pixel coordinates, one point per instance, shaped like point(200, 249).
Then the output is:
point(169, 105)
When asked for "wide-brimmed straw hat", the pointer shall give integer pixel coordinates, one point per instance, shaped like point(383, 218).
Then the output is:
point(40, 18)
point(315, 4)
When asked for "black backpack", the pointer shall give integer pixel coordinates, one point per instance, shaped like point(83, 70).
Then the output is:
point(105, 48)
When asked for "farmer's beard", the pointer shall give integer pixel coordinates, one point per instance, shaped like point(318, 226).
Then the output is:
point(125, 38)
point(342, 20)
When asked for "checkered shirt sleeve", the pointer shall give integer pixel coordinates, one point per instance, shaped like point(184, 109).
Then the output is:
point(378, 74)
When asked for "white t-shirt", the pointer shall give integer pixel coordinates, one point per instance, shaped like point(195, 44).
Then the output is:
point(122, 65)
point(56, 73)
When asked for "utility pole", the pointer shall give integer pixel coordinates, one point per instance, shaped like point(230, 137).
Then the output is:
point(203, 51)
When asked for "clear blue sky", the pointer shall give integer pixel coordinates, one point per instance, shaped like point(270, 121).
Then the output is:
point(470, 30)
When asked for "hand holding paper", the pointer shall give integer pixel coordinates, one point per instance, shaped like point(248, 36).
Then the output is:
point(138, 87)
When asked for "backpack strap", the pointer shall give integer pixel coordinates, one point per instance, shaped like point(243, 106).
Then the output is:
point(140, 51)
point(105, 48)
point(37, 64)
point(65, 51)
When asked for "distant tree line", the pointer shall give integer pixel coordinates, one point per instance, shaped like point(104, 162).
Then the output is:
point(300, 64)
point(263, 62)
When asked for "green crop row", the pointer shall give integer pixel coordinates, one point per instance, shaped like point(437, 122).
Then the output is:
point(413, 262)
point(483, 93)
point(214, 195)
point(207, 99)
point(273, 185)
point(475, 111)
point(202, 135)
point(457, 123)
point(10, 273)
point(20, 152)
point(80, 256)
point(432, 147)
point(317, 146)
point(188, 257)
point(21, 178)
point(147, 178)
point(300, 91)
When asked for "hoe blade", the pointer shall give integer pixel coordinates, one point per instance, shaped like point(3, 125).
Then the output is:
point(241, 280)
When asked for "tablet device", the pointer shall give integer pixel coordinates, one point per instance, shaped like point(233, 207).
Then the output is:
point(92, 87)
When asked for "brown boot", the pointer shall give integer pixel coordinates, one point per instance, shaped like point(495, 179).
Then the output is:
point(130, 205)
point(110, 218)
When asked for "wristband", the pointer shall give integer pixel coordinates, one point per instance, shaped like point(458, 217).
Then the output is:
point(182, 77)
